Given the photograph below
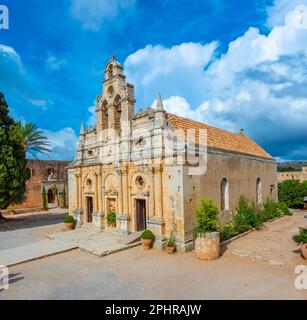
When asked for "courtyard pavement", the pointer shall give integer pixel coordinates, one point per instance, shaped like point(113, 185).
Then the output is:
point(259, 265)
point(38, 235)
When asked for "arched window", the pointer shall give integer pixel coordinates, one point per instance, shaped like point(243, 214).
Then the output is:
point(258, 191)
point(224, 194)
point(110, 71)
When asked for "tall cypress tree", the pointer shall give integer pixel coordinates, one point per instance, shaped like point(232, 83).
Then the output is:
point(13, 164)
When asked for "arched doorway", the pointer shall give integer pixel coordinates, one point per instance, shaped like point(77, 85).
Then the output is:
point(50, 196)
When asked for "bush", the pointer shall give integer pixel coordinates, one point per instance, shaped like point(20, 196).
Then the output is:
point(147, 234)
point(206, 217)
point(247, 216)
point(292, 193)
point(44, 199)
point(69, 219)
point(301, 237)
point(228, 231)
point(111, 218)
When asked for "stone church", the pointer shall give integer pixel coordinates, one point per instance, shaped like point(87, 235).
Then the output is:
point(152, 167)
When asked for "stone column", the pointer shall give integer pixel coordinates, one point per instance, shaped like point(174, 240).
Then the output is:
point(125, 192)
point(158, 192)
point(100, 210)
point(156, 222)
point(77, 191)
point(123, 216)
point(120, 191)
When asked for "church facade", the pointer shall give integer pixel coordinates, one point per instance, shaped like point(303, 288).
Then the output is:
point(151, 168)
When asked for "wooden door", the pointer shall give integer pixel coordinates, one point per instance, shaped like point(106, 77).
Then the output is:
point(89, 209)
point(140, 214)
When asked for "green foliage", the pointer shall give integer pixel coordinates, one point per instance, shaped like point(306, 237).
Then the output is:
point(69, 219)
point(247, 216)
point(64, 198)
point(147, 234)
point(286, 169)
point(171, 240)
point(33, 139)
point(292, 193)
point(13, 164)
point(228, 231)
point(301, 237)
point(206, 217)
point(111, 218)
point(44, 199)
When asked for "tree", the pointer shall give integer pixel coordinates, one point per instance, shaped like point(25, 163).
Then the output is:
point(64, 200)
point(33, 139)
point(13, 164)
point(44, 199)
point(292, 193)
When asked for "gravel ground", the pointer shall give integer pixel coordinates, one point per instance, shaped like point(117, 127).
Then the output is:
point(137, 274)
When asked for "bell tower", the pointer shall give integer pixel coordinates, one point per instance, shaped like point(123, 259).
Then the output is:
point(115, 105)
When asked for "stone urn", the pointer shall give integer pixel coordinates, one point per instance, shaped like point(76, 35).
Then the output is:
point(207, 246)
point(304, 250)
point(146, 243)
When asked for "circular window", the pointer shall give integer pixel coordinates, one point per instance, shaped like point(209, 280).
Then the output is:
point(139, 181)
point(110, 91)
point(89, 182)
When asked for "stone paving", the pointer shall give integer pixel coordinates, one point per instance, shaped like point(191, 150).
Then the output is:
point(32, 236)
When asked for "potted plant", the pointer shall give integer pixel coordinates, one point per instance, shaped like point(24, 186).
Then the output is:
point(69, 222)
point(170, 245)
point(301, 239)
point(206, 235)
point(147, 237)
point(111, 218)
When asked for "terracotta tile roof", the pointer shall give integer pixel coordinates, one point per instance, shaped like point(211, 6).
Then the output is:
point(217, 138)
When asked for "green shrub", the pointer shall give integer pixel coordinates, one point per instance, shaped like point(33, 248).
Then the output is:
point(147, 234)
point(44, 199)
point(69, 219)
point(228, 231)
point(284, 208)
point(247, 216)
point(171, 240)
point(206, 217)
point(292, 192)
point(111, 218)
point(301, 237)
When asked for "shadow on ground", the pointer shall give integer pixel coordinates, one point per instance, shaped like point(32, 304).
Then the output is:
point(30, 221)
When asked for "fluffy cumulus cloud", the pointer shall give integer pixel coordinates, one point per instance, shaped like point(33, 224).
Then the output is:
point(63, 143)
point(259, 84)
point(92, 13)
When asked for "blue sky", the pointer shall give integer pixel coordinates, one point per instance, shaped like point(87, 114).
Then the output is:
point(233, 64)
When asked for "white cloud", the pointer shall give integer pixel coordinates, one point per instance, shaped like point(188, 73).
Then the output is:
point(258, 84)
point(278, 11)
point(92, 13)
point(63, 143)
point(92, 119)
point(177, 68)
point(55, 63)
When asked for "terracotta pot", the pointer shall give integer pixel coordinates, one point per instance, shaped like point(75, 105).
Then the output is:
point(304, 250)
point(207, 246)
point(170, 250)
point(146, 243)
point(69, 225)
